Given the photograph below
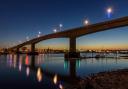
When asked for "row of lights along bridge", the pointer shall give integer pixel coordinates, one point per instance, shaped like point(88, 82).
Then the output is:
point(86, 22)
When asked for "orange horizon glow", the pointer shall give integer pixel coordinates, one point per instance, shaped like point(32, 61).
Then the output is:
point(84, 47)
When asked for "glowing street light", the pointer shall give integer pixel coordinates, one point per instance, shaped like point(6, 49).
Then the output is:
point(55, 30)
point(39, 34)
point(86, 22)
point(60, 25)
point(109, 11)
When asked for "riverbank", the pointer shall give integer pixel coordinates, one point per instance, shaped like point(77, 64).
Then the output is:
point(106, 80)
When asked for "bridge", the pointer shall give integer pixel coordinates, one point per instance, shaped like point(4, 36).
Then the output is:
point(74, 33)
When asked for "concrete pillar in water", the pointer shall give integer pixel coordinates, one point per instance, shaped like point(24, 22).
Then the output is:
point(72, 49)
point(33, 51)
point(33, 48)
point(72, 44)
point(18, 50)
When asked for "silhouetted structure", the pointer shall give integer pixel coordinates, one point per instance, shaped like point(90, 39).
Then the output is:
point(72, 34)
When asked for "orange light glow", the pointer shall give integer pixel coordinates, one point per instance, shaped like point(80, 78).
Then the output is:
point(39, 75)
point(55, 79)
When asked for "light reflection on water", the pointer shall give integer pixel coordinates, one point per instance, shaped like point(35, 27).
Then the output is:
point(53, 67)
point(27, 71)
point(55, 79)
point(39, 75)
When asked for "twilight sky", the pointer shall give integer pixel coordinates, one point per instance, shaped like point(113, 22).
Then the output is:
point(22, 18)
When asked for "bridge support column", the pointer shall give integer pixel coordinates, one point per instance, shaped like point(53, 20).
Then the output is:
point(33, 52)
point(72, 49)
point(33, 48)
point(72, 44)
point(17, 50)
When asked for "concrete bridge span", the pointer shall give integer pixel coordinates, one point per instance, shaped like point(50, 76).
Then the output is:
point(74, 33)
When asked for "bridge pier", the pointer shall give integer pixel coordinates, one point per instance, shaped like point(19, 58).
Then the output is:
point(72, 49)
point(72, 44)
point(33, 52)
point(33, 48)
point(17, 50)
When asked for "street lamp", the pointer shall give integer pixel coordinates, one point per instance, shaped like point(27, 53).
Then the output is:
point(54, 30)
point(60, 25)
point(86, 22)
point(109, 11)
point(39, 33)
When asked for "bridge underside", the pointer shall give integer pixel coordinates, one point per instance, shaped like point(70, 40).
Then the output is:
point(71, 54)
point(72, 49)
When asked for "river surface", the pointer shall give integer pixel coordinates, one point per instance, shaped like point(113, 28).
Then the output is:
point(51, 71)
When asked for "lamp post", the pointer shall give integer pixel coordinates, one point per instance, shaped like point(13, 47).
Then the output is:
point(54, 30)
point(86, 22)
point(109, 11)
point(60, 26)
point(39, 34)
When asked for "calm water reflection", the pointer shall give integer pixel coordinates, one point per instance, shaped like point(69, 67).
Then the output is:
point(50, 71)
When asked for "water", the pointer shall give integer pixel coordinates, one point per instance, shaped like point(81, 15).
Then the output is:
point(51, 71)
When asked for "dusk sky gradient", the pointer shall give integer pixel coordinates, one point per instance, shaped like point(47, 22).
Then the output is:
point(21, 18)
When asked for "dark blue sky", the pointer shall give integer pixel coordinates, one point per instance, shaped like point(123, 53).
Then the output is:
point(21, 18)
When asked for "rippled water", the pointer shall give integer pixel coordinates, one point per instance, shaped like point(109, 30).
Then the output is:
point(50, 71)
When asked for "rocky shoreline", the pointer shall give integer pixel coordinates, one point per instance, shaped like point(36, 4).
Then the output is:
point(105, 80)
